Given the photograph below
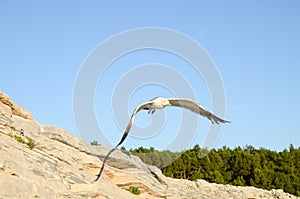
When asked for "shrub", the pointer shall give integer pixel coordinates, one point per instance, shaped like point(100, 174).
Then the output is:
point(123, 148)
point(31, 143)
point(19, 139)
point(134, 190)
point(95, 143)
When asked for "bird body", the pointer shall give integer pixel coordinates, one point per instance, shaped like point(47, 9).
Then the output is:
point(160, 103)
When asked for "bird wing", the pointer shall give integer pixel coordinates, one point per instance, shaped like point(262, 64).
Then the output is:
point(145, 105)
point(196, 108)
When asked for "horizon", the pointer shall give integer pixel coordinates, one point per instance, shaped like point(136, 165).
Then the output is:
point(250, 49)
point(214, 148)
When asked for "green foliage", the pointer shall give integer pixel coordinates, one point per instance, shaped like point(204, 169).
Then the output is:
point(123, 148)
point(10, 134)
point(95, 143)
point(19, 139)
point(30, 143)
point(134, 190)
point(246, 166)
point(154, 157)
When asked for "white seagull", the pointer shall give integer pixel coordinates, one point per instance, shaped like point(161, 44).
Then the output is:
point(160, 103)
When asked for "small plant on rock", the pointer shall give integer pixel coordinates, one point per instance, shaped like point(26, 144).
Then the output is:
point(19, 139)
point(134, 190)
point(30, 143)
point(95, 143)
point(10, 134)
point(123, 148)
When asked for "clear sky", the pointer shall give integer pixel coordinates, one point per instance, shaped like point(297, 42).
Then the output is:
point(255, 46)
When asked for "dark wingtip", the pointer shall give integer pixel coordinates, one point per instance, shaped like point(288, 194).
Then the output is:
point(224, 122)
point(98, 176)
point(217, 120)
point(101, 170)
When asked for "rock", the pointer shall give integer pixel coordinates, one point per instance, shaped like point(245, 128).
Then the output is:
point(15, 109)
point(63, 166)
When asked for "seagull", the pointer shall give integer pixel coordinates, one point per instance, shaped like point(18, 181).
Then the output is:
point(160, 103)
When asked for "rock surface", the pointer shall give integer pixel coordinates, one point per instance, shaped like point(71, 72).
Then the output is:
point(63, 166)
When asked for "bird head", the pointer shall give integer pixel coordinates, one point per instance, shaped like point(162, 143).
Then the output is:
point(165, 102)
point(160, 103)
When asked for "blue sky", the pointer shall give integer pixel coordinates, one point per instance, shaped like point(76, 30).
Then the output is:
point(255, 46)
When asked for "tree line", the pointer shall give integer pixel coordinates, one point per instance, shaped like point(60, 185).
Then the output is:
point(245, 166)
